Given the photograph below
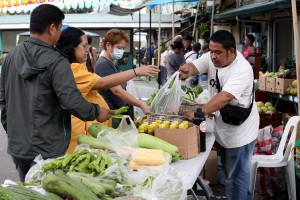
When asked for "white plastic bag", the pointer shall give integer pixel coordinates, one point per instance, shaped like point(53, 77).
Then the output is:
point(203, 98)
point(158, 183)
point(36, 173)
point(123, 139)
point(169, 97)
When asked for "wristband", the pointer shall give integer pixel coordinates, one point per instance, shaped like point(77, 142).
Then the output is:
point(134, 72)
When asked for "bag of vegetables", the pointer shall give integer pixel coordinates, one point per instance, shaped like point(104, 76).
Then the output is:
point(169, 97)
point(121, 139)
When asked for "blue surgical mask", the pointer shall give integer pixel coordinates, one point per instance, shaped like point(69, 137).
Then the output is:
point(117, 54)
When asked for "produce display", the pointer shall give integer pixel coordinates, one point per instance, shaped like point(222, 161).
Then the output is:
point(265, 107)
point(95, 171)
point(293, 89)
point(81, 186)
point(287, 73)
point(145, 127)
point(85, 161)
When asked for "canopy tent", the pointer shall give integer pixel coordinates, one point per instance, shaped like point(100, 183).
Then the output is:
point(151, 4)
point(27, 34)
point(119, 11)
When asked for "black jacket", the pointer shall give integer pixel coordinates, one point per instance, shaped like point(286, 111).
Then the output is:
point(38, 94)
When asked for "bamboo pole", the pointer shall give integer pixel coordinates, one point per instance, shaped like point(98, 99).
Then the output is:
point(296, 43)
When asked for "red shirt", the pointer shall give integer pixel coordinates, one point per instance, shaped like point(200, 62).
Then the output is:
point(246, 53)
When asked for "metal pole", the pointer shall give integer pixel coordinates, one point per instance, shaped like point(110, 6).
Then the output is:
point(139, 52)
point(173, 28)
point(150, 48)
point(212, 18)
point(159, 37)
point(195, 22)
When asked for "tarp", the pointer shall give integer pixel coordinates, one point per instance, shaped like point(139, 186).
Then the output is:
point(119, 11)
point(151, 4)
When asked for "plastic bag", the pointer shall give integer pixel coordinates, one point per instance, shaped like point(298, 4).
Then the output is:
point(203, 98)
point(169, 97)
point(36, 173)
point(158, 183)
point(123, 139)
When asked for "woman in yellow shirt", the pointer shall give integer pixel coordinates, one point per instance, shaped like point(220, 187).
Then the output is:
point(73, 43)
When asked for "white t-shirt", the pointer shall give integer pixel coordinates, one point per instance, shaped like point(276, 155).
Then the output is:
point(236, 79)
point(190, 56)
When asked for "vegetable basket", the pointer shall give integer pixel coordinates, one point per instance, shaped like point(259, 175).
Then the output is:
point(153, 117)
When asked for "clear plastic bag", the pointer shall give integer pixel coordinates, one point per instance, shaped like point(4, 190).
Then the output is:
point(123, 139)
point(169, 97)
point(157, 183)
point(203, 98)
point(36, 173)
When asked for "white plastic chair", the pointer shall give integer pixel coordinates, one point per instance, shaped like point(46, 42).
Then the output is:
point(282, 158)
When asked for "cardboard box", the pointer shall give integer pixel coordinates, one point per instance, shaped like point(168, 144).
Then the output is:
point(282, 84)
point(262, 83)
point(210, 169)
point(187, 140)
point(270, 84)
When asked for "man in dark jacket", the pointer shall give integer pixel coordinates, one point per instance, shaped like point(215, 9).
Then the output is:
point(38, 94)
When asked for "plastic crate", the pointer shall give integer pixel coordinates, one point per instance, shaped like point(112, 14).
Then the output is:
point(186, 108)
point(274, 119)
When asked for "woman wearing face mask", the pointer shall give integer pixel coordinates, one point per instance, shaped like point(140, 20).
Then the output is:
point(114, 43)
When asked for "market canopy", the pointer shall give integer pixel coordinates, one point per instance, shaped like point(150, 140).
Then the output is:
point(119, 11)
point(151, 4)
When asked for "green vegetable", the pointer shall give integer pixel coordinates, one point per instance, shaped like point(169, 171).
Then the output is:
point(65, 186)
point(22, 192)
point(5, 194)
point(87, 162)
point(92, 142)
point(121, 110)
point(149, 101)
point(89, 182)
point(119, 113)
point(151, 142)
point(95, 128)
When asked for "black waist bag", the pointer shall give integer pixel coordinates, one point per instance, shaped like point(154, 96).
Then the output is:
point(234, 115)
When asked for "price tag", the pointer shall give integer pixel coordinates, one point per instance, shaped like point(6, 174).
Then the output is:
point(291, 98)
point(280, 96)
point(296, 99)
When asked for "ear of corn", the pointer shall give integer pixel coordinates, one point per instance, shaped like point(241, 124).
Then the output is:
point(152, 157)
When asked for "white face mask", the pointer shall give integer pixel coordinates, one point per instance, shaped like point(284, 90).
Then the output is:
point(117, 54)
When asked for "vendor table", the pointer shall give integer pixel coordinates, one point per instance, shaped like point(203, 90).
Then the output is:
point(191, 168)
